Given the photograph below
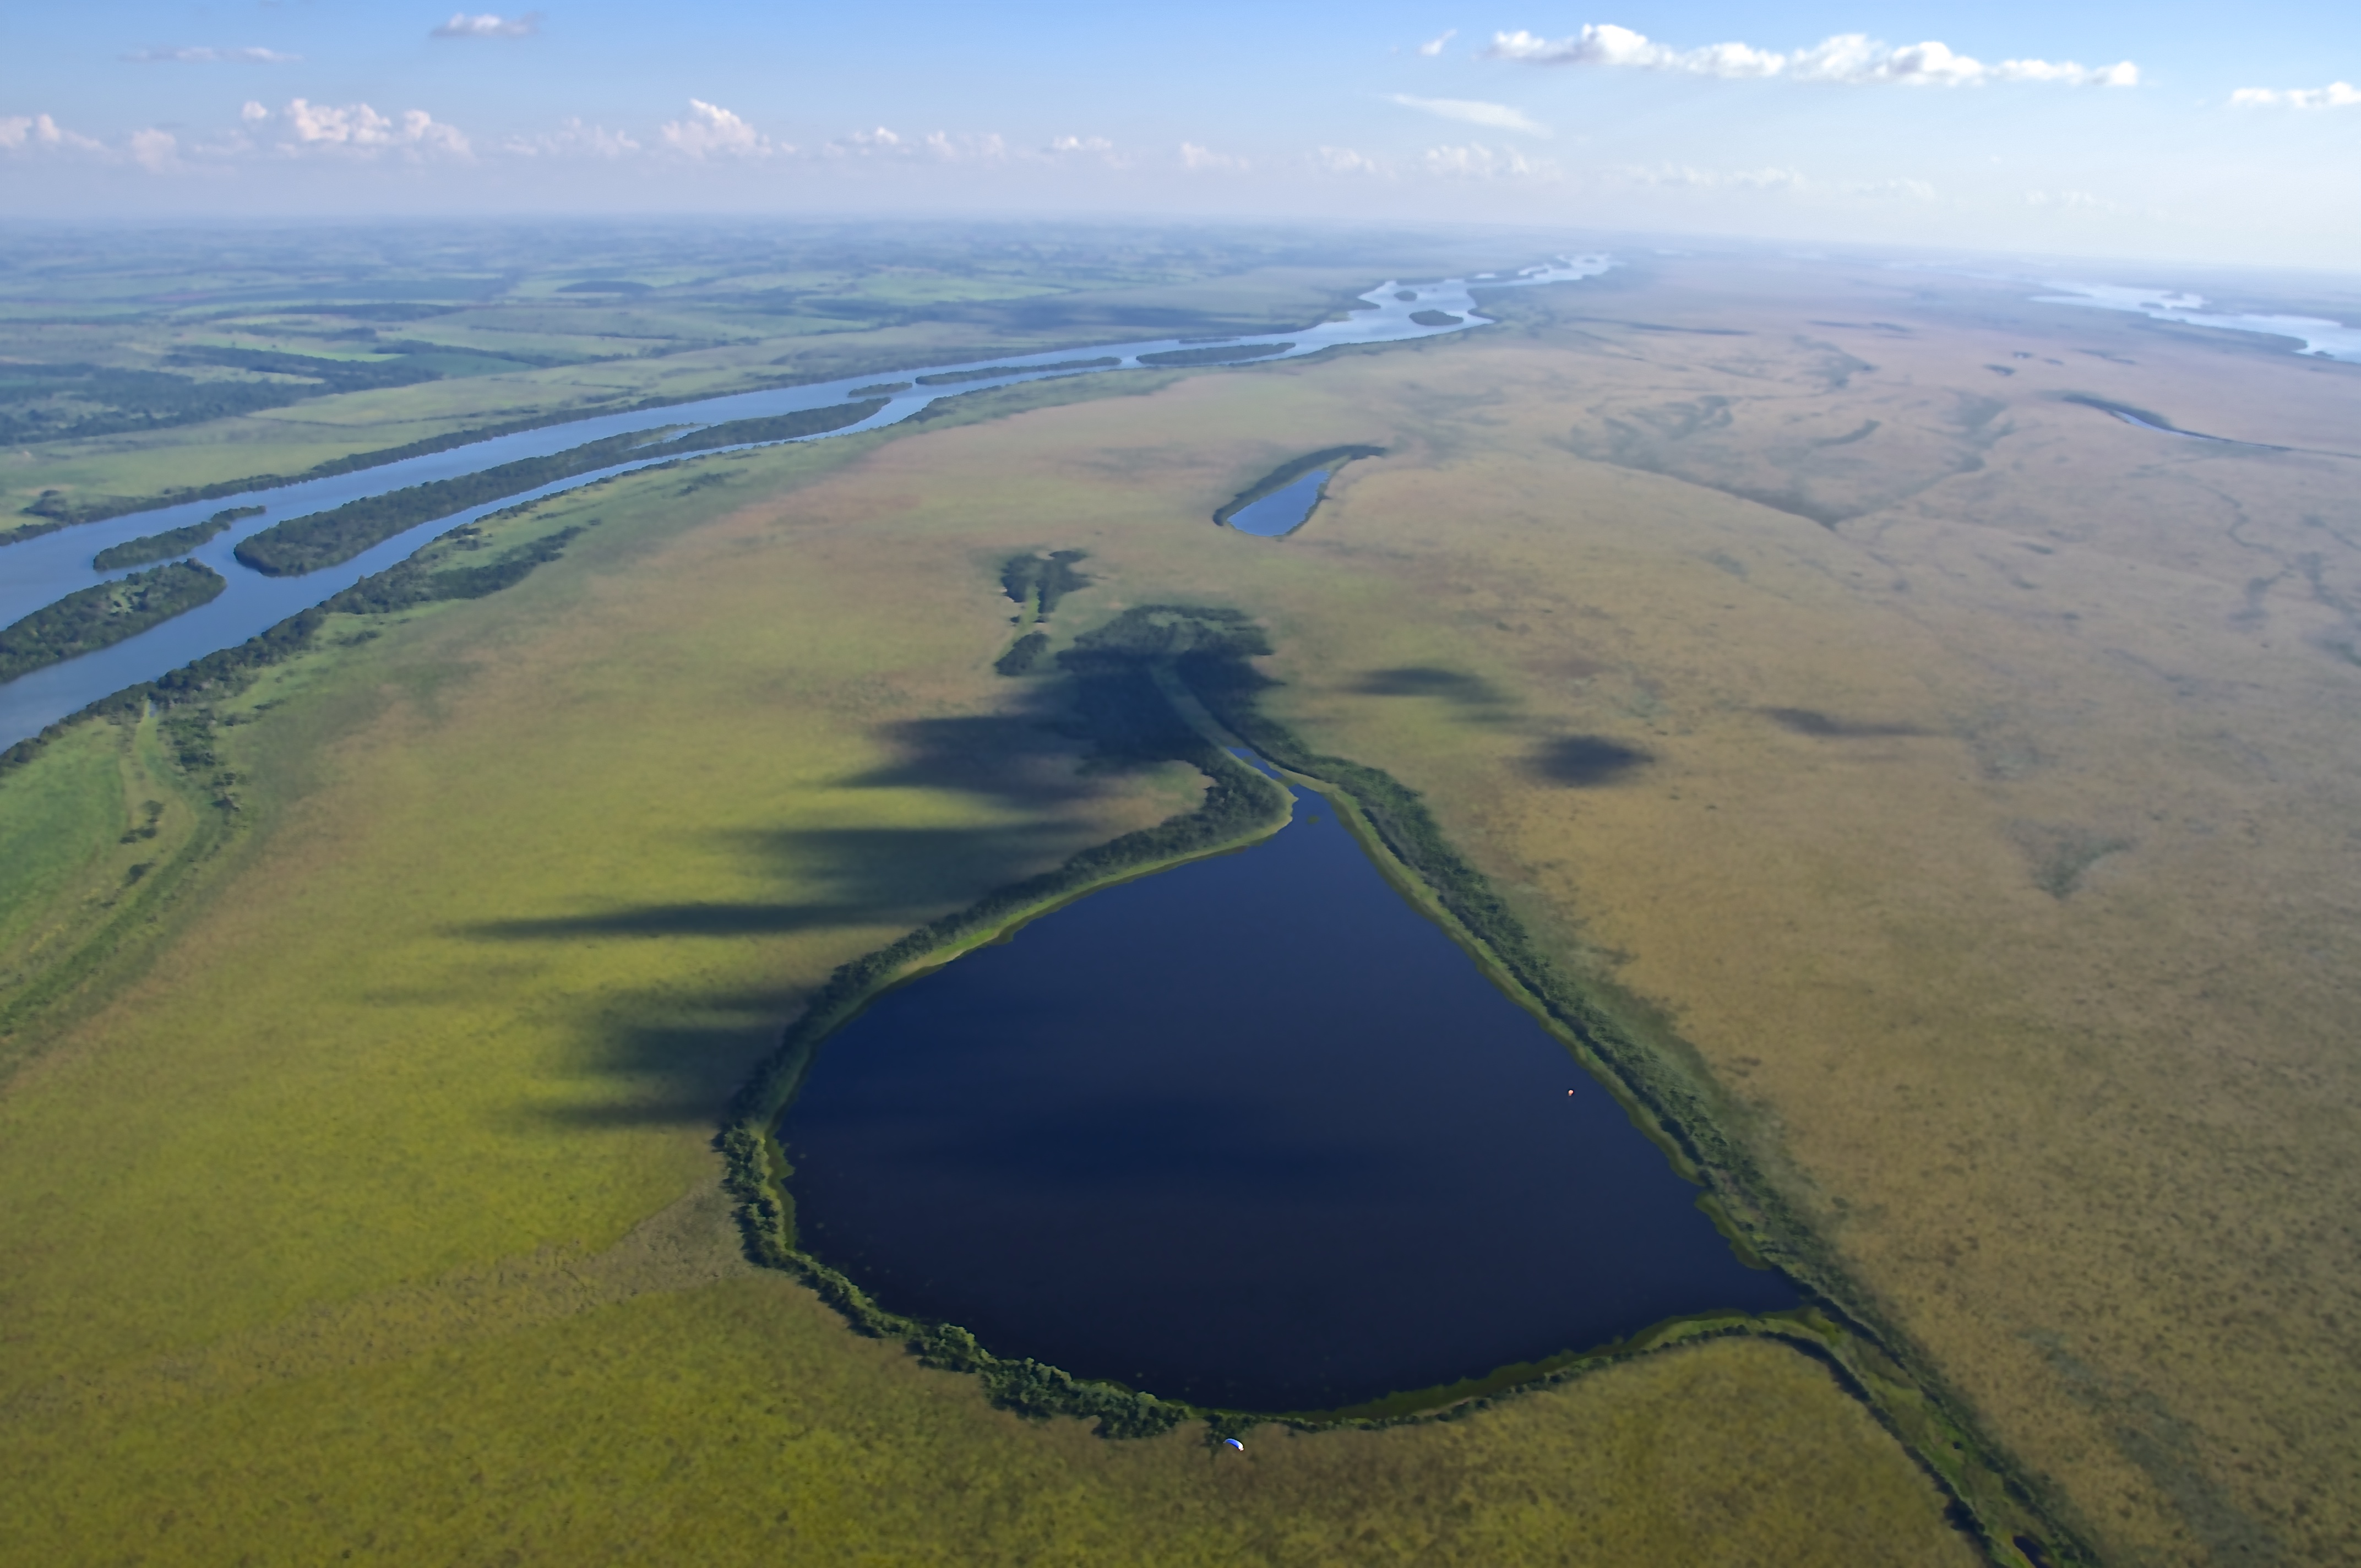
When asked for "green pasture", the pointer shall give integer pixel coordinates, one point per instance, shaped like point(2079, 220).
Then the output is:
point(409, 1134)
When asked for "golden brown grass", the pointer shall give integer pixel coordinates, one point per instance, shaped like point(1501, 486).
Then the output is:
point(317, 1244)
point(378, 1214)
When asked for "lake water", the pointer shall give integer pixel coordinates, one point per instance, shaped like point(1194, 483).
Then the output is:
point(1281, 511)
point(1251, 1132)
point(40, 571)
point(2322, 338)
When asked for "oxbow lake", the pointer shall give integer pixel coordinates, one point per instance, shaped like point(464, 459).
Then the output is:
point(1252, 1132)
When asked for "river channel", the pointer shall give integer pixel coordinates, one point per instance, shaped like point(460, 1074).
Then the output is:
point(40, 571)
point(1253, 1133)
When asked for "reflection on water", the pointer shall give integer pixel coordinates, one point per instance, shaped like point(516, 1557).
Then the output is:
point(41, 571)
point(1281, 511)
point(1253, 1133)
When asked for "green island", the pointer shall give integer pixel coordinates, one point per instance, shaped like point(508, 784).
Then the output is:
point(1287, 472)
point(953, 378)
point(1434, 318)
point(100, 615)
point(1184, 357)
point(172, 542)
point(307, 543)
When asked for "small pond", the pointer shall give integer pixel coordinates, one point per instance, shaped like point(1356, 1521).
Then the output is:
point(1281, 511)
point(1253, 1133)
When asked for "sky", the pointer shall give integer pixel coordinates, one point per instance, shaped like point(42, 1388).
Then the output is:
point(2161, 130)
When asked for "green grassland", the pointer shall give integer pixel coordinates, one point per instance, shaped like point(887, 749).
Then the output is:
point(421, 1083)
point(1766, 665)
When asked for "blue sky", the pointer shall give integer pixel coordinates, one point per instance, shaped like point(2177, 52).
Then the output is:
point(2107, 129)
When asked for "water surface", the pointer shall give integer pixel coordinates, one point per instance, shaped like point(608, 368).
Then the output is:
point(1281, 511)
point(1251, 1132)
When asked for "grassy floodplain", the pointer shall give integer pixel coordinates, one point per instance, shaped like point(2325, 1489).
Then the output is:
point(597, 834)
point(1951, 781)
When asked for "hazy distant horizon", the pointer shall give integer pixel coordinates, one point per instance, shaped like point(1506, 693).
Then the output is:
point(2156, 133)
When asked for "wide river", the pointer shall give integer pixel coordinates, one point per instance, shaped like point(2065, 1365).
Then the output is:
point(40, 571)
point(1254, 1133)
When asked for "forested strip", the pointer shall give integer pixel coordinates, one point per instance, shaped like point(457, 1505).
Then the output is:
point(94, 618)
point(324, 539)
point(1177, 357)
point(172, 542)
point(953, 378)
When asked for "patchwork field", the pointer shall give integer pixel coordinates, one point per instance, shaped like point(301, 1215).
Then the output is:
point(1957, 779)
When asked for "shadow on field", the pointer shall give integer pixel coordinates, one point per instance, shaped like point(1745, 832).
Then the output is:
point(1475, 698)
point(672, 1054)
point(1811, 721)
point(1582, 761)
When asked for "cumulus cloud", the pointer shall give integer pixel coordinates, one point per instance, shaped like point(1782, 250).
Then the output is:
point(1345, 160)
point(158, 152)
point(573, 140)
point(1476, 161)
point(207, 55)
point(2335, 95)
point(358, 128)
point(253, 111)
point(463, 25)
point(712, 131)
point(39, 133)
point(1687, 176)
point(1498, 116)
point(1067, 146)
point(1850, 58)
point(1193, 156)
point(1433, 47)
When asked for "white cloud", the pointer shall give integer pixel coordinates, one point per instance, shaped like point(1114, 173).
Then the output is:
point(712, 131)
point(158, 152)
point(207, 55)
point(358, 128)
point(1850, 58)
point(2074, 201)
point(573, 140)
point(253, 111)
point(39, 132)
point(2335, 95)
point(1498, 116)
point(1345, 160)
point(1688, 176)
point(965, 147)
point(463, 25)
point(1476, 161)
point(1433, 47)
point(1067, 146)
point(1193, 156)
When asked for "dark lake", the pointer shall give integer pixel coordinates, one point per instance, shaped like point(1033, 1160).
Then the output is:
point(1253, 1133)
point(1281, 511)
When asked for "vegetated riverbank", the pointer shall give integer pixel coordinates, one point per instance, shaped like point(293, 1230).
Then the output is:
point(1179, 357)
point(98, 617)
point(1140, 683)
point(953, 378)
point(1287, 472)
point(324, 538)
point(172, 542)
point(223, 673)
